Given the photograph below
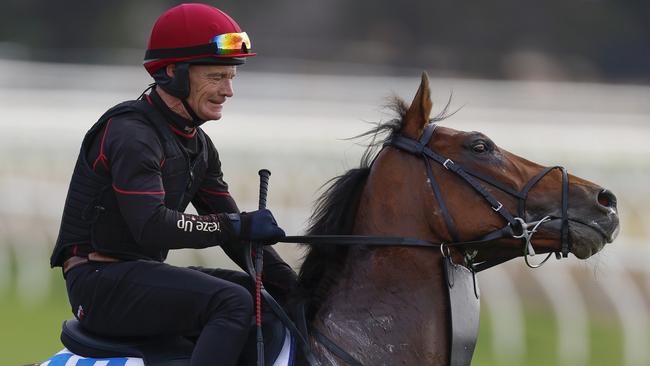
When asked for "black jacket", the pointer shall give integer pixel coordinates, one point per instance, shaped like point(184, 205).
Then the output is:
point(136, 173)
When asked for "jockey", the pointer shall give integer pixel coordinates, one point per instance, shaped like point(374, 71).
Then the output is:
point(139, 167)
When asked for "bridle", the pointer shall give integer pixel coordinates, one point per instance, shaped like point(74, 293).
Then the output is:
point(516, 226)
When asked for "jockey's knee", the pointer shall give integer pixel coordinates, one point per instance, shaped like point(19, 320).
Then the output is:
point(234, 303)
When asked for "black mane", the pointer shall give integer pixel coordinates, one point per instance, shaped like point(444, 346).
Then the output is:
point(336, 209)
point(334, 214)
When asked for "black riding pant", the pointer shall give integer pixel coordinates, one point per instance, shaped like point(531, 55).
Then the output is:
point(147, 298)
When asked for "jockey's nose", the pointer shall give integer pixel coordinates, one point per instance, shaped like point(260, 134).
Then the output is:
point(607, 199)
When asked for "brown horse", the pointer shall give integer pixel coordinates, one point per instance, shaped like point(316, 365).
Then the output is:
point(386, 305)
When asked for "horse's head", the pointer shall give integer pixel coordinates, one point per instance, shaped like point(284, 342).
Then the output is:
point(428, 185)
point(459, 212)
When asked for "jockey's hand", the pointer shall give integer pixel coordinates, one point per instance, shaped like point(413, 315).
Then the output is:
point(258, 226)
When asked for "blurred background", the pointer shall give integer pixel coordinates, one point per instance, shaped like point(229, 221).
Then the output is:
point(559, 82)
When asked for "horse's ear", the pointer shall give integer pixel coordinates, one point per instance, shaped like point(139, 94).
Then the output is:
point(418, 113)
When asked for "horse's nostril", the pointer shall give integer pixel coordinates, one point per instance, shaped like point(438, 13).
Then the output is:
point(607, 199)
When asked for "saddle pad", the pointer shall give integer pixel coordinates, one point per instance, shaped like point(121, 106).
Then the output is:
point(67, 358)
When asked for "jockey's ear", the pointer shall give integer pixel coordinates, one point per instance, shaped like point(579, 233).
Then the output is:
point(418, 113)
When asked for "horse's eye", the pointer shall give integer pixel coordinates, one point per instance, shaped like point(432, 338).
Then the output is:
point(479, 147)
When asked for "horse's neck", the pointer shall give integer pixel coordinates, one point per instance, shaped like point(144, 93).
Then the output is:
point(389, 308)
point(389, 305)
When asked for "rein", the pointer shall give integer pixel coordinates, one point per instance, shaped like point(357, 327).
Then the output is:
point(516, 228)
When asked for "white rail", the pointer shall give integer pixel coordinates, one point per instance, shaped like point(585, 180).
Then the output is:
point(508, 324)
point(297, 133)
point(570, 311)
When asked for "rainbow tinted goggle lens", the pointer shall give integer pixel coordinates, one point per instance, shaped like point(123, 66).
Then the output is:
point(222, 45)
point(230, 43)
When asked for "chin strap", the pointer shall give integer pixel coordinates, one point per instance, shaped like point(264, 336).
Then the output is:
point(196, 121)
point(179, 87)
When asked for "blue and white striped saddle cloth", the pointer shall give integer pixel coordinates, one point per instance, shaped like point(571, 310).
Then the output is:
point(67, 358)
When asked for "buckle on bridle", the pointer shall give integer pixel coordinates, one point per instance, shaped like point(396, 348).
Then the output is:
point(447, 162)
point(500, 206)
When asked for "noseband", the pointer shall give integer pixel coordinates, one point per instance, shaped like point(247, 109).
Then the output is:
point(516, 226)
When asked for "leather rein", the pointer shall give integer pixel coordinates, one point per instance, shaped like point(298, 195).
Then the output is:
point(516, 226)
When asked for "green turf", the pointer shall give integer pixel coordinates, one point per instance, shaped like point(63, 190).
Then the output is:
point(605, 342)
point(30, 333)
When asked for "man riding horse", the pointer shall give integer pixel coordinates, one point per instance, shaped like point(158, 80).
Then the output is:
point(139, 167)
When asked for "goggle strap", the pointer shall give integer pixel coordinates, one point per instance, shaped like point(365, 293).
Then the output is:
point(158, 53)
point(204, 49)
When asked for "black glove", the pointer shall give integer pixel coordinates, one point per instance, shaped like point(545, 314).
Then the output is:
point(258, 226)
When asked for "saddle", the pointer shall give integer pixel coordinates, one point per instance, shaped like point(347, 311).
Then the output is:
point(173, 350)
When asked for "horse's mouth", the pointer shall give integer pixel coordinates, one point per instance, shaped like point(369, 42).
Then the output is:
point(588, 238)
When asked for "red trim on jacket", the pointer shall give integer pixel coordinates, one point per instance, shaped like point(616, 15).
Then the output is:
point(215, 193)
point(183, 134)
point(174, 129)
point(102, 157)
point(123, 191)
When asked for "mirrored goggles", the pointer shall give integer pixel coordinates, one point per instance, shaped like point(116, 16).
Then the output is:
point(229, 43)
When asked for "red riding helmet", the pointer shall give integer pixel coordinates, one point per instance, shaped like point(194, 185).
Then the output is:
point(196, 33)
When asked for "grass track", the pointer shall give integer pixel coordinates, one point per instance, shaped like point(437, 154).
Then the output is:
point(30, 333)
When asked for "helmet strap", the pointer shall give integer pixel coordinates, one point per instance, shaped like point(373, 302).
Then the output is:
point(196, 121)
point(179, 87)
